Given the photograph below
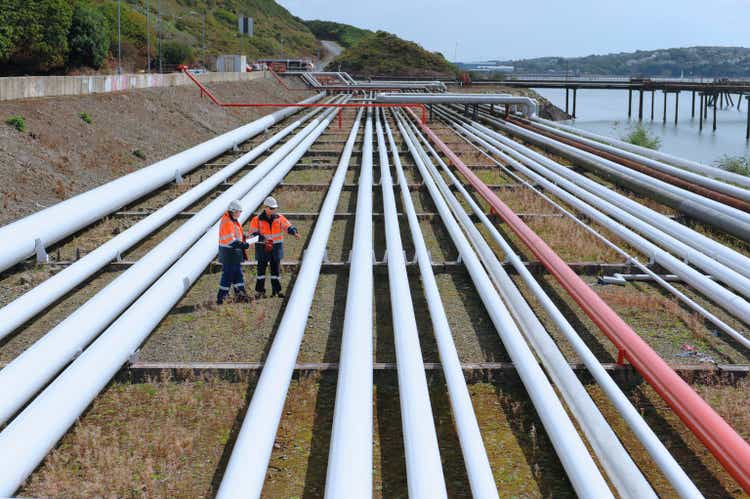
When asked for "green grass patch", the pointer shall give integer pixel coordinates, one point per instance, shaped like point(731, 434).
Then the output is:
point(17, 122)
point(735, 164)
point(640, 136)
point(86, 117)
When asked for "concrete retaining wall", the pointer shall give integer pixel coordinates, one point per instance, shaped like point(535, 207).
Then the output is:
point(27, 87)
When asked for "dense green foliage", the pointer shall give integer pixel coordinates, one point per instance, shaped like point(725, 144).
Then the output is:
point(382, 53)
point(345, 34)
point(175, 53)
point(735, 164)
point(54, 35)
point(640, 136)
point(88, 38)
point(674, 62)
point(35, 33)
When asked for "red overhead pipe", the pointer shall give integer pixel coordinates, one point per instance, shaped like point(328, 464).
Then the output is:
point(216, 101)
point(721, 439)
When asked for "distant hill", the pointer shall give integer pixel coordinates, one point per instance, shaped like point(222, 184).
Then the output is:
point(39, 36)
point(692, 61)
point(382, 53)
point(345, 34)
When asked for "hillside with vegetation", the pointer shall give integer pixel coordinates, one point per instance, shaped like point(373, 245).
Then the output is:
point(68, 36)
point(382, 53)
point(706, 62)
point(345, 35)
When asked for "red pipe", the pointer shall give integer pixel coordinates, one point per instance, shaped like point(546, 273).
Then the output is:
point(216, 101)
point(721, 439)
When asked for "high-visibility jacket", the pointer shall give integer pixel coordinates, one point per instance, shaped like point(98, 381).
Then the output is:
point(272, 227)
point(230, 230)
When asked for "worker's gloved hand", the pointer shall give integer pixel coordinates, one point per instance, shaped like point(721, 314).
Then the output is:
point(244, 245)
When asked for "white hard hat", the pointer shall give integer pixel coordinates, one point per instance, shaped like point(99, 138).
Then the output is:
point(271, 202)
point(235, 206)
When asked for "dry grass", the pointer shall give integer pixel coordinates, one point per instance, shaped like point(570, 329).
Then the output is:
point(159, 439)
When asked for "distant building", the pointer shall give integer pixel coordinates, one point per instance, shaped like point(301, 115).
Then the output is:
point(486, 67)
point(231, 63)
point(281, 65)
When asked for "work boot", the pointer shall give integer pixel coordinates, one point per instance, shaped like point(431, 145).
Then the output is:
point(260, 295)
point(279, 294)
point(221, 295)
point(240, 295)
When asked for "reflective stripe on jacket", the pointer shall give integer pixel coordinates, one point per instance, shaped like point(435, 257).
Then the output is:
point(271, 228)
point(230, 230)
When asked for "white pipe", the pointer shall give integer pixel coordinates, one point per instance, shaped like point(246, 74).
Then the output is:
point(725, 263)
point(349, 472)
point(31, 370)
point(692, 304)
point(529, 104)
point(31, 435)
point(708, 210)
point(692, 166)
point(622, 471)
point(578, 464)
point(478, 467)
point(18, 239)
point(23, 308)
point(631, 481)
point(696, 178)
point(424, 471)
point(246, 470)
point(554, 183)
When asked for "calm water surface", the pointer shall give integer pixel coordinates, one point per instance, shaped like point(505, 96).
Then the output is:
point(606, 112)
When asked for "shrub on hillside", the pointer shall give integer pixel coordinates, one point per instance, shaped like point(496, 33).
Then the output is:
point(88, 38)
point(177, 53)
point(17, 122)
point(35, 34)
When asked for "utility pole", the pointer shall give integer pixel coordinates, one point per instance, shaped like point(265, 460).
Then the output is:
point(119, 43)
point(204, 36)
point(159, 36)
point(148, 38)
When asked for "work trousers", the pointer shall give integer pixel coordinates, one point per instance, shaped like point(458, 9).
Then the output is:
point(265, 259)
point(231, 278)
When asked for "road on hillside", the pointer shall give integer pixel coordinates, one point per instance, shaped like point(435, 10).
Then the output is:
point(331, 50)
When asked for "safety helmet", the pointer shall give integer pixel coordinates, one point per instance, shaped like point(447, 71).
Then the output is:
point(235, 206)
point(271, 202)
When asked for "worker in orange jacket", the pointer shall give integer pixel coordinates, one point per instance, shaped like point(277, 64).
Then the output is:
point(270, 226)
point(232, 246)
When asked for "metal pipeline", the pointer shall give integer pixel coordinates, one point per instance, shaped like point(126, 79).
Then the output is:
point(711, 212)
point(722, 296)
point(636, 241)
point(580, 467)
point(349, 472)
point(687, 178)
point(688, 165)
point(23, 308)
point(424, 471)
point(31, 435)
point(622, 471)
point(664, 460)
point(22, 238)
point(30, 371)
point(529, 105)
point(248, 463)
point(478, 468)
point(733, 259)
point(720, 438)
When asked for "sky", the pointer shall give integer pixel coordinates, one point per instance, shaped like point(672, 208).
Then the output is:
point(473, 30)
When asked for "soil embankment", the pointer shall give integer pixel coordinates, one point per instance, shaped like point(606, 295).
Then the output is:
point(60, 154)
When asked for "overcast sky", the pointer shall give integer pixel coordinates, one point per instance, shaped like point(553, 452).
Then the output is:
point(485, 29)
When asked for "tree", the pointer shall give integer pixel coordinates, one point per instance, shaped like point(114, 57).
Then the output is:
point(88, 39)
point(40, 33)
point(177, 53)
